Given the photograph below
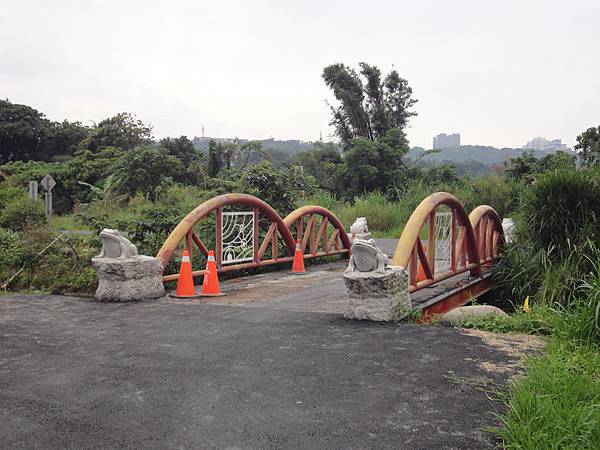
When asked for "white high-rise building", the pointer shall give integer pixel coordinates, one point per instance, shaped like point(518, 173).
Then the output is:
point(540, 143)
point(444, 140)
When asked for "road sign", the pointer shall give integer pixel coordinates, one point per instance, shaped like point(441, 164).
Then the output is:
point(48, 183)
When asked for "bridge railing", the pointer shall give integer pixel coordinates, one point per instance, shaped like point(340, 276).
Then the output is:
point(473, 241)
point(251, 238)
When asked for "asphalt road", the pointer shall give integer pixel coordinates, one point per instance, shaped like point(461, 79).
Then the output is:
point(167, 374)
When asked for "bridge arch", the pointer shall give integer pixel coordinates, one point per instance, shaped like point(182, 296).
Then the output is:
point(314, 233)
point(421, 263)
point(185, 229)
point(489, 233)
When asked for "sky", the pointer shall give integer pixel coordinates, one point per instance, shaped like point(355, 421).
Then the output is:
point(500, 73)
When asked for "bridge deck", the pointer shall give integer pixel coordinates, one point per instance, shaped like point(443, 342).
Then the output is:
point(321, 290)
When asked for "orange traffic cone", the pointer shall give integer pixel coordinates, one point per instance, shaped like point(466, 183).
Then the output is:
point(298, 264)
point(210, 286)
point(185, 283)
point(420, 271)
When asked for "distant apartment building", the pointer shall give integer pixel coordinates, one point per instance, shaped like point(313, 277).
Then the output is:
point(444, 140)
point(540, 143)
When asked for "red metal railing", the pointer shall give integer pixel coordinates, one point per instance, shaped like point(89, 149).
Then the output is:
point(314, 233)
point(470, 236)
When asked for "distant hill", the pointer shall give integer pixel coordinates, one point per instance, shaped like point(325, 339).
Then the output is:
point(466, 153)
point(288, 147)
point(471, 159)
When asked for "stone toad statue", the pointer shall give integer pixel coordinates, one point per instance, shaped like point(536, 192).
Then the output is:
point(359, 229)
point(366, 257)
point(114, 245)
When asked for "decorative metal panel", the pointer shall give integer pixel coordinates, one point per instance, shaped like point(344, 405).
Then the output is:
point(237, 233)
point(443, 244)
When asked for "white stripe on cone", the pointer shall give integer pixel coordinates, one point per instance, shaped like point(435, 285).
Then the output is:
point(185, 259)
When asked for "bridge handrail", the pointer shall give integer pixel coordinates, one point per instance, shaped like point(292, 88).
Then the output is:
point(203, 210)
point(465, 248)
point(307, 210)
point(489, 233)
point(417, 220)
point(336, 244)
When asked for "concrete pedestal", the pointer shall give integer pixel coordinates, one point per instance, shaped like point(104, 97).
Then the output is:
point(378, 296)
point(128, 279)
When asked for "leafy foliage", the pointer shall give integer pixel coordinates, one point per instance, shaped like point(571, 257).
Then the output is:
point(25, 134)
point(588, 143)
point(278, 188)
point(21, 212)
point(144, 170)
point(123, 131)
point(367, 110)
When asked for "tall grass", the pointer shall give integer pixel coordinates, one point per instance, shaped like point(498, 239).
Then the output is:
point(556, 405)
point(387, 218)
point(556, 262)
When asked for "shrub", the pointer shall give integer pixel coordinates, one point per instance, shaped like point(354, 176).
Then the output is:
point(280, 189)
point(563, 208)
point(144, 170)
point(22, 212)
point(12, 251)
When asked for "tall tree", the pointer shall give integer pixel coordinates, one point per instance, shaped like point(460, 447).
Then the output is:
point(367, 109)
point(215, 158)
point(26, 134)
point(588, 143)
point(22, 132)
point(181, 148)
point(123, 131)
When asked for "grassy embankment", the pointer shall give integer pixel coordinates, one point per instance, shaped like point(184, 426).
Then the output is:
point(555, 261)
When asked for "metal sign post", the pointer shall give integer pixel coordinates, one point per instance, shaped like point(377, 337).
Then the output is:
point(33, 190)
point(48, 183)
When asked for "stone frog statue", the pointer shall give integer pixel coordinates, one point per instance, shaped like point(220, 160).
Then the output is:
point(359, 229)
point(366, 257)
point(114, 245)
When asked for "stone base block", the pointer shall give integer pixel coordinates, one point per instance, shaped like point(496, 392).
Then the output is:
point(378, 296)
point(128, 279)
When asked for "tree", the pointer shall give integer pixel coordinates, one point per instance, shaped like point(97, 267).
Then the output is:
point(322, 161)
point(588, 143)
point(375, 166)
point(181, 148)
point(522, 167)
point(63, 138)
point(280, 188)
point(367, 110)
point(123, 131)
point(144, 170)
point(557, 160)
point(215, 159)
point(26, 134)
point(246, 151)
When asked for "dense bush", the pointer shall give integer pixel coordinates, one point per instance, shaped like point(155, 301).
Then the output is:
point(280, 189)
point(563, 209)
point(22, 212)
point(557, 239)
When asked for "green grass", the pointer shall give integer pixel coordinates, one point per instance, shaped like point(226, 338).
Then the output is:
point(557, 404)
point(68, 222)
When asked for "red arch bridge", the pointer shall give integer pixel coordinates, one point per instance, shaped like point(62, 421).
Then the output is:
point(449, 255)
